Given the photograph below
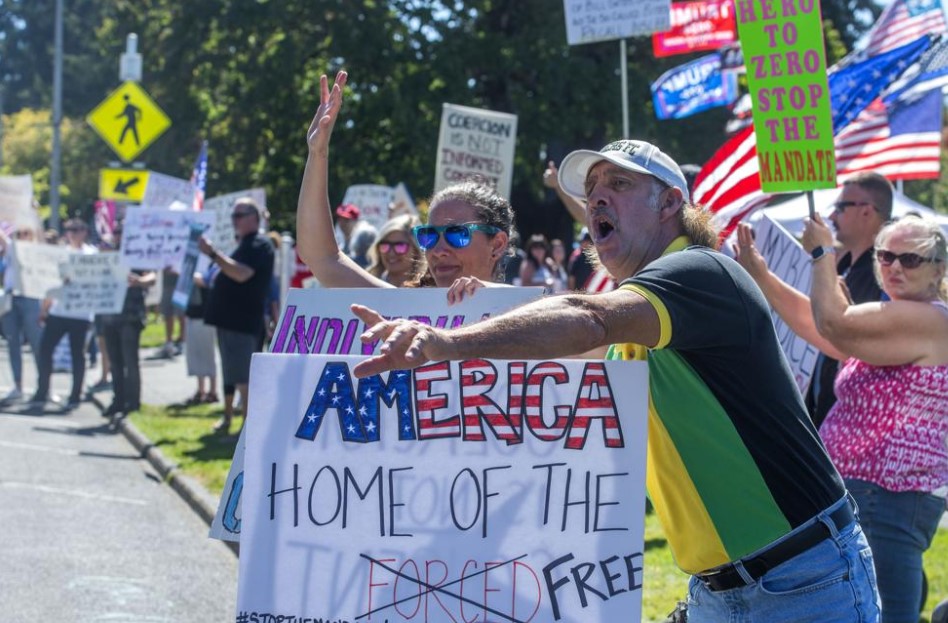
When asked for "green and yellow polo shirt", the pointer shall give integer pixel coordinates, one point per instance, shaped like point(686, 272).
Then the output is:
point(733, 459)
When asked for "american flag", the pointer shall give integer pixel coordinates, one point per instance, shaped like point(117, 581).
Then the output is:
point(904, 21)
point(199, 178)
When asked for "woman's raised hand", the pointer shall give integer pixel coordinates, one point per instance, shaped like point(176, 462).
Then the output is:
point(330, 101)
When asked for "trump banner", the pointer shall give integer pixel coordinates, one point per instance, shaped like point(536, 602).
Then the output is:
point(692, 88)
point(696, 26)
point(460, 491)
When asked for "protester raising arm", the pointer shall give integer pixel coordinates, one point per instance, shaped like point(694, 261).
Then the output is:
point(575, 207)
point(316, 242)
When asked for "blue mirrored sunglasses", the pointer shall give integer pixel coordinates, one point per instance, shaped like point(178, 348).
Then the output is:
point(458, 236)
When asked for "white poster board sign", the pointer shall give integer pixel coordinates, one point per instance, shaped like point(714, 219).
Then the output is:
point(598, 20)
point(476, 143)
point(402, 203)
point(164, 190)
point(38, 267)
point(93, 284)
point(154, 239)
point(373, 201)
point(318, 321)
point(787, 259)
point(16, 201)
point(460, 491)
point(222, 234)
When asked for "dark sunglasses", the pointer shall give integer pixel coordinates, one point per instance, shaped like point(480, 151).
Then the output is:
point(906, 260)
point(458, 236)
point(400, 248)
point(75, 229)
point(840, 206)
point(237, 215)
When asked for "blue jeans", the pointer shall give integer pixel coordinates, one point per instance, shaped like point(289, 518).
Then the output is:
point(22, 321)
point(899, 527)
point(832, 582)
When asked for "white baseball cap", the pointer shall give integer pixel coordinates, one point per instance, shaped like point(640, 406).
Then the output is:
point(637, 156)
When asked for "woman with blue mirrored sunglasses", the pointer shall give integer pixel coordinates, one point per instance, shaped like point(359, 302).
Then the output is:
point(465, 241)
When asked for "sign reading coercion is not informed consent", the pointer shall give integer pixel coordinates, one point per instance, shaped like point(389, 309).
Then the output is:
point(475, 143)
point(786, 73)
point(459, 491)
point(787, 259)
point(588, 21)
point(318, 321)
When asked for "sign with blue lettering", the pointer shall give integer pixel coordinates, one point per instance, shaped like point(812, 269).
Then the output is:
point(474, 490)
point(692, 88)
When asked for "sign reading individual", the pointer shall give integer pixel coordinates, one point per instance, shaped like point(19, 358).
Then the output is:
point(476, 143)
point(92, 284)
point(222, 234)
point(128, 120)
point(786, 73)
point(604, 20)
point(155, 239)
point(696, 26)
point(373, 201)
point(787, 259)
point(38, 267)
point(692, 88)
point(16, 201)
point(459, 491)
point(123, 184)
point(319, 321)
point(162, 191)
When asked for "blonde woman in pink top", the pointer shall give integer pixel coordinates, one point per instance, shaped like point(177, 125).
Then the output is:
point(887, 432)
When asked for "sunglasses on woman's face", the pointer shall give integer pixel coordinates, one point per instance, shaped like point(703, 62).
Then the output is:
point(400, 248)
point(906, 260)
point(458, 236)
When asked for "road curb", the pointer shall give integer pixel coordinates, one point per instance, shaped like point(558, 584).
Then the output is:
point(201, 501)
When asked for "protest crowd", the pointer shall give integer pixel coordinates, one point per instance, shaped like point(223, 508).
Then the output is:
point(789, 487)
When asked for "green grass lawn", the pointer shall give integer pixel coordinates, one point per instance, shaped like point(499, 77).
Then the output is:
point(184, 436)
point(154, 334)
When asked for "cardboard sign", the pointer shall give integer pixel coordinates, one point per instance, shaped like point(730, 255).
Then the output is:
point(318, 321)
point(696, 26)
point(38, 267)
point(16, 201)
point(460, 491)
point(475, 143)
point(787, 259)
point(154, 239)
point(692, 88)
point(604, 20)
point(93, 284)
point(221, 234)
point(373, 201)
point(161, 191)
point(786, 73)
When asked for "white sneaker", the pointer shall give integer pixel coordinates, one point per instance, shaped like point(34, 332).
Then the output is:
point(167, 350)
point(14, 395)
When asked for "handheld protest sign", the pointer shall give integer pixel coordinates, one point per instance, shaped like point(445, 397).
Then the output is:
point(786, 73)
point(476, 144)
point(475, 490)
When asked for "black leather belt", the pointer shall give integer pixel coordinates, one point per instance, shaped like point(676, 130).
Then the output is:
point(727, 576)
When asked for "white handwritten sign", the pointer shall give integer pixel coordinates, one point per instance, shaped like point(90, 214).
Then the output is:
point(318, 321)
point(476, 143)
point(373, 201)
point(164, 190)
point(472, 490)
point(603, 20)
point(154, 239)
point(93, 284)
point(222, 234)
point(38, 267)
point(787, 259)
point(16, 201)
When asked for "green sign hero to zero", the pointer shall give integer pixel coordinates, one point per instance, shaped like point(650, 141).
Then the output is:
point(782, 41)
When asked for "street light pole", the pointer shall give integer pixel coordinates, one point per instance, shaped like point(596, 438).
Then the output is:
point(55, 165)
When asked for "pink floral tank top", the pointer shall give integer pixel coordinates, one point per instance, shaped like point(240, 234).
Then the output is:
point(890, 425)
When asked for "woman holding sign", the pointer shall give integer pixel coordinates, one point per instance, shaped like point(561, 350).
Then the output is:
point(464, 242)
point(887, 431)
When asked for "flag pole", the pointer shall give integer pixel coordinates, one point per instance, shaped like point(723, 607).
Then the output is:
point(624, 70)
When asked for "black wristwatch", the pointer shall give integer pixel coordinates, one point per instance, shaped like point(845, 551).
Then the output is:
point(819, 252)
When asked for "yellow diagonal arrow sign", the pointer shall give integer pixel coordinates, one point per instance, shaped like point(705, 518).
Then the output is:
point(123, 184)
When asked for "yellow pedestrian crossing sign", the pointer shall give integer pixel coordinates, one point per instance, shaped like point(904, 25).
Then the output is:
point(128, 120)
point(123, 184)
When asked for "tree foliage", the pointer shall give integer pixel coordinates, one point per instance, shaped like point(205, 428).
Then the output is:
point(243, 74)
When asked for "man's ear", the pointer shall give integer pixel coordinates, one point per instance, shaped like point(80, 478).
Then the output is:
point(671, 202)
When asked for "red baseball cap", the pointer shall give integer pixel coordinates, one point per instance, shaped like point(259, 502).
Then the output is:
point(348, 210)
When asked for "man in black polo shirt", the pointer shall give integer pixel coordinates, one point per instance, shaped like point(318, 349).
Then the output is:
point(864, 205)
point(235, 301)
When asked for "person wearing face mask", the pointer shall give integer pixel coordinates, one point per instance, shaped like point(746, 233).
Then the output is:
point(464, 242)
